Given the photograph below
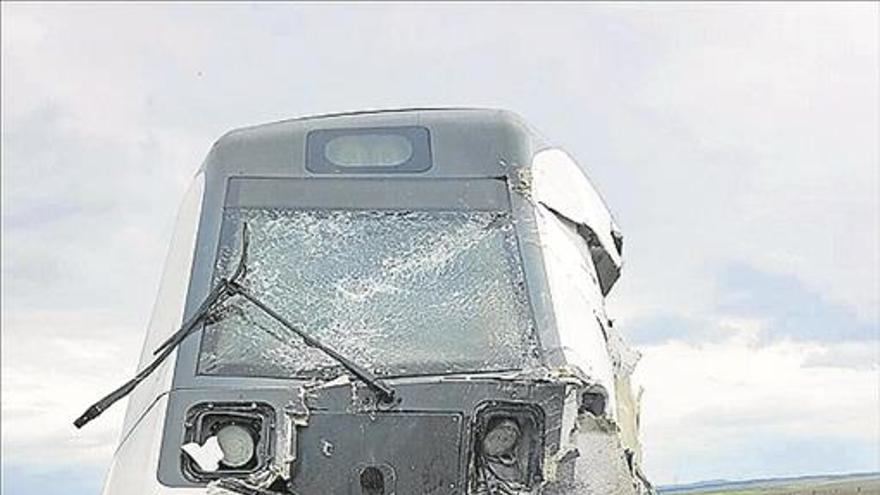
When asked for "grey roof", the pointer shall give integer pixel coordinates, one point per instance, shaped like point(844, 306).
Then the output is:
point(466, 142)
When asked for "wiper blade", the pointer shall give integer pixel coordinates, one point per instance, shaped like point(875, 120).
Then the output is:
point(221, 292)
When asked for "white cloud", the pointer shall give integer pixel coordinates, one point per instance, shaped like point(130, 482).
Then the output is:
point(770, 114)
point(59, 363)
point(709, 408)
point(855, 355)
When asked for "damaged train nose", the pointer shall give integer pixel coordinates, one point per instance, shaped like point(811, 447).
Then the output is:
point(397, 302)
point(531, 436)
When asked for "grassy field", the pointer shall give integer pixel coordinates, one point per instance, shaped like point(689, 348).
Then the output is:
point(854, 485)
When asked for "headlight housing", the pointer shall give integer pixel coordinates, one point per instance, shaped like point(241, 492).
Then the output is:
point(508, 444)
point(242, 431)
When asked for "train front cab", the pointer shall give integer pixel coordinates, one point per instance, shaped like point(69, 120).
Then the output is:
point(454, 254)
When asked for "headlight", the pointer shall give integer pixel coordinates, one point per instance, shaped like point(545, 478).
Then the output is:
point(237, 445)
point(501, 438)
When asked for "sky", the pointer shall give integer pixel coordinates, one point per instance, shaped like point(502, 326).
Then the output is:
point(736, 144)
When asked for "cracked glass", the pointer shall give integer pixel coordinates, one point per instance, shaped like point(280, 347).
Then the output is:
point(400, 292)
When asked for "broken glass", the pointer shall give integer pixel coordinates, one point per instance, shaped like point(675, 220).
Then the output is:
point(399, 292)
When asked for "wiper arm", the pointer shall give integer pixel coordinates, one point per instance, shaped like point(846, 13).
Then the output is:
point(221, 292)
point(384, 391)
point(218, 294)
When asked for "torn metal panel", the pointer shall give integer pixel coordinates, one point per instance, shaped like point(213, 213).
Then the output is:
point(628, 397)
point(592, 457)
point(577, 302)
point(560, 185)
point(628, 412)
point(521, 182)
point(600, 464)
point(624, 357)
point(557, 465)
point(293, 415)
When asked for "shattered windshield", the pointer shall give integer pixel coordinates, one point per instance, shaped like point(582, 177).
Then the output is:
point(399, 292)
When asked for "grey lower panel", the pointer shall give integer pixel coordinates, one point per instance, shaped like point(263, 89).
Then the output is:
point(416, 453)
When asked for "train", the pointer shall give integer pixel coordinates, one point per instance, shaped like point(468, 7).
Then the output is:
point(385, 302)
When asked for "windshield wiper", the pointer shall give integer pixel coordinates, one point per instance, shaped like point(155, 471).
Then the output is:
point(384, 391)
point(217, 295)
point(220, 293)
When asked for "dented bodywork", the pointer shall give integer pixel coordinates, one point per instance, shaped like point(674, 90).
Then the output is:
point(432, 325)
